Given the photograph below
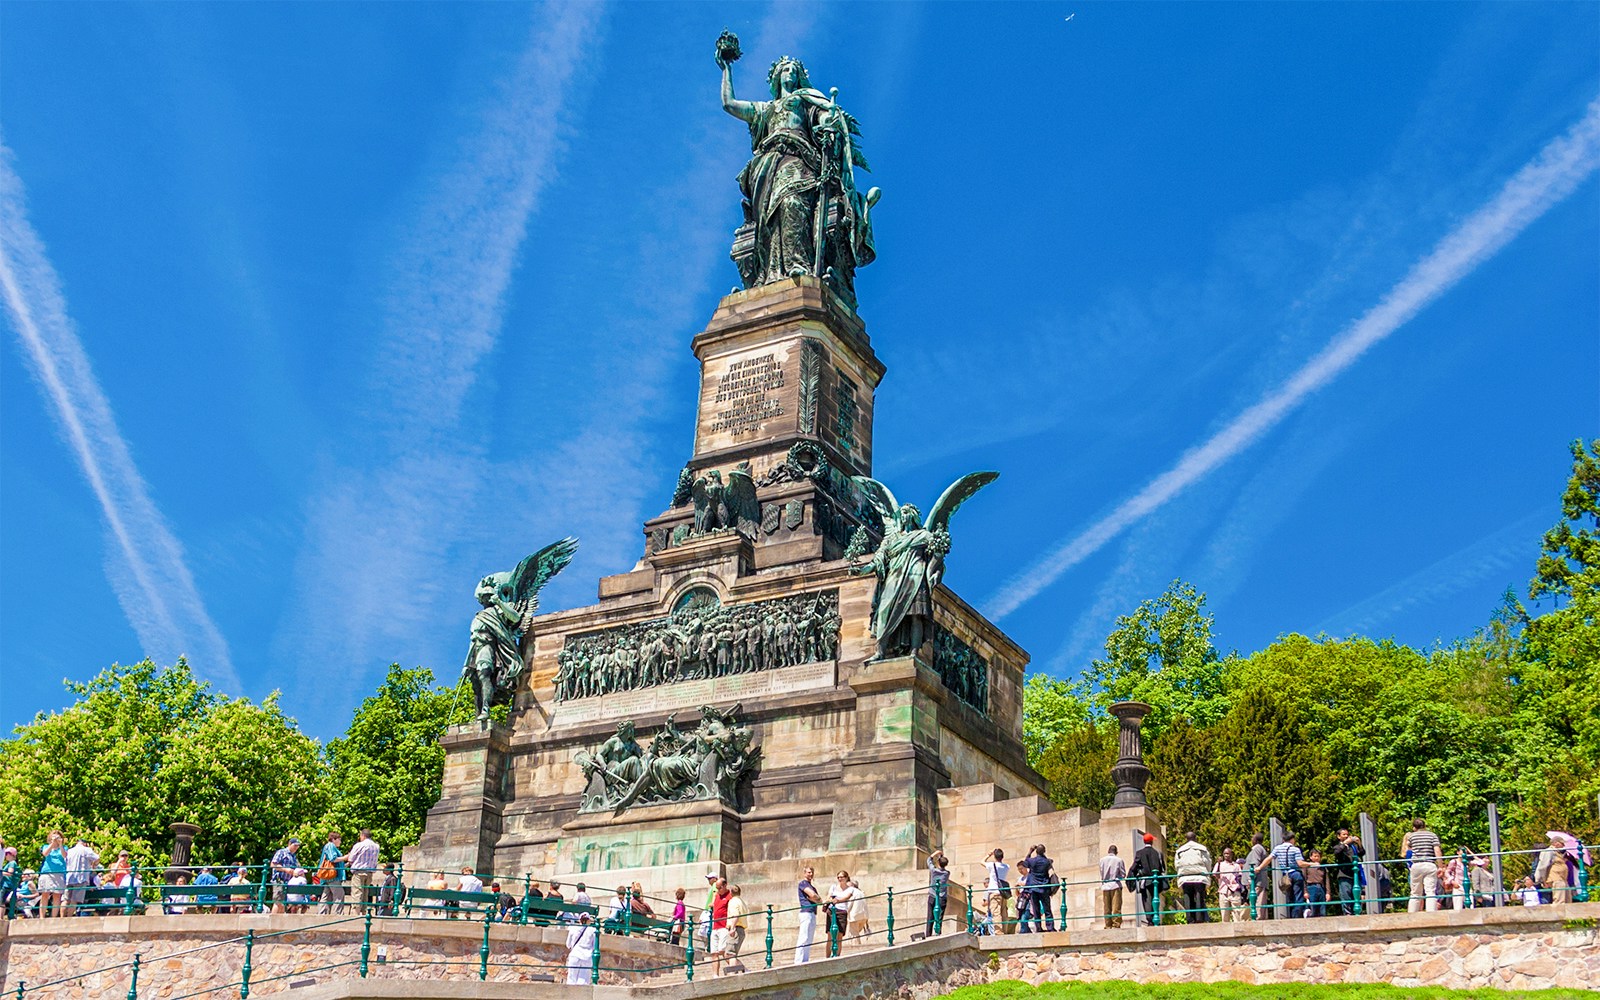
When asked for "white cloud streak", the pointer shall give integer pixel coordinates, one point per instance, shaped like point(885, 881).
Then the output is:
point(1553, 174)
point(145, 562)
point(394, 513)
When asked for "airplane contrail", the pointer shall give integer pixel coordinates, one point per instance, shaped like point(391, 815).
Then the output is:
point(1543, 182)
point(149, 572)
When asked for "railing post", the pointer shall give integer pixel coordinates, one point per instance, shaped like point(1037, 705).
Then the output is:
point(1253, 895)
point(266, 888)
point(833, 932)
point(133, 985)
point(969, 908)
point(688, 957)
point(483, 952)
point(244, 973)
point(527, 891)
point(769, 935)
point(1582, 895)
point(1061, 887)
point(366, 943)
point(1155, 905)
point(22, 985)
point(594, 963)
point(889, 921)
point(133, 891)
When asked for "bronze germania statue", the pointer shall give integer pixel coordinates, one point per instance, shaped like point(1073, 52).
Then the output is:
point(802, 211)
point(494, 657)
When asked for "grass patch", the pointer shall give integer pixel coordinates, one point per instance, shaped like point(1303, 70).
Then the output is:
point(1011, 989)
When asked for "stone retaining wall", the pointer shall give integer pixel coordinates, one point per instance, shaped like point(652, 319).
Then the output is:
point(1509, 948)
point(187, 954)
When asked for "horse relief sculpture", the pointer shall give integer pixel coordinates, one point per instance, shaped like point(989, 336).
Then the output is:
point(706, 762)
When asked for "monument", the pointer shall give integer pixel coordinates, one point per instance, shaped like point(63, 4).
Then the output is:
point(783, 677)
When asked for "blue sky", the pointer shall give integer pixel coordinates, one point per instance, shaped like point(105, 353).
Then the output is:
point(316, 313)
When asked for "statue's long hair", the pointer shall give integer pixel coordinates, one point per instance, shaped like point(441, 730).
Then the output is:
point(772, 74)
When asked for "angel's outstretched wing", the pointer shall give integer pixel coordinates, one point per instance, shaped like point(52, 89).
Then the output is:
point(536, 570)
point(881, 499)
point(954, 496)
point(741, 499)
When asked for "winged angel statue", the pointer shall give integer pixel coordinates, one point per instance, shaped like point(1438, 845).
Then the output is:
point(909, 561)
point(494, 658)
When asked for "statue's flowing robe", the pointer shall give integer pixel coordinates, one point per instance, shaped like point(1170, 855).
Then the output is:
point(903, 562)
point(493, 637)
point(780, 185)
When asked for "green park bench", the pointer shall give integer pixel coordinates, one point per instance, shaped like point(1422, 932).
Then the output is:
point(547, 911)
point(109, 901)
point(654, 927)
point(467, 903)
point(372, 900)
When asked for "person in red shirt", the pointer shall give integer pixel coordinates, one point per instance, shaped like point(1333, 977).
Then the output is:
point(719, 925)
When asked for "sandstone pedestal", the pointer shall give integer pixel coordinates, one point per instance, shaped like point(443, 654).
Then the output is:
point(854, 752)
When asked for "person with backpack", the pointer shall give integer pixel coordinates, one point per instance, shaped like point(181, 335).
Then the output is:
point(997, 890)
point(1145, 877)
point(1193, 865)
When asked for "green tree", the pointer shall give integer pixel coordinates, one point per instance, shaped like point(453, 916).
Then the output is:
point(388, 768)
point(1051, 709)
point(1078, 766)
point(145, 746)
point(1271, 767)
point(1162, 654)
point(1185, 786)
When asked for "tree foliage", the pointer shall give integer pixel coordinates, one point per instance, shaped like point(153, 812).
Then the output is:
point(1315, 730)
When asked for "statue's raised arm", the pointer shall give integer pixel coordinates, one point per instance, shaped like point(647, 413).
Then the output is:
point(727, 54)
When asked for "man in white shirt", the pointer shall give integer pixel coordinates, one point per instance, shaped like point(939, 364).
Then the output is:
point(1112, 871)
point(82, 860)
point(997, 890)
point(363, 862)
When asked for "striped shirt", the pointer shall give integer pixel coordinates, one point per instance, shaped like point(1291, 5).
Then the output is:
point(1286, 858)
point(1424, 846)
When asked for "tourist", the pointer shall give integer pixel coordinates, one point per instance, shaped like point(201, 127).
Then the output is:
point(28, 894)
point(705, 911)
point(809, 898)
point(612, 921)
point(1231, 888)
point(580, 898)
point(860, 927)
point(240, 876)
point(581, 944)
point(1192, 863)
point(175, 903)
point(438, 884)
point(1316, 879)
point(1528, 893)
point(389, 895)
point(997, 890)
point(53, 877)
point(284, 863)
point(1112, 871)
point(719, 925)
point(1347, 855)
point(840, 896)
point(120, 868)
point(638, 906)
point(736, 932)
point(1480, 879)
point(363, 865)
point(469, 882)
point(205, 902)
point(306, 894)
point(1257, 864)
point(938, 893)
point(82, 860)
point(331, 874)
point(1550, 871)
point(1422, 850)
point(10, 880)
point(1033, 910)
point(504, 902)
point(680, 915)
point(1288, 866)
point(1148, 872)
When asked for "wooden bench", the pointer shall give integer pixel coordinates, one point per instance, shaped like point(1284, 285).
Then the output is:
point(440, 900)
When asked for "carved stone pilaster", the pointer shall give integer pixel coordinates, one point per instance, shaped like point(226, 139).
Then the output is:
point(1129, 772)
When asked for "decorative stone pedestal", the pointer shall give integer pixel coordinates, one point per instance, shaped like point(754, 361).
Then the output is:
point(464, 825)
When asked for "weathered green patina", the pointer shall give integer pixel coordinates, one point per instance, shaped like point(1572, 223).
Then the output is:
point(494, 656)
point(909, 561)
point(803, 213)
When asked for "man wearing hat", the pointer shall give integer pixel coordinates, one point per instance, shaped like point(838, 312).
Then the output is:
point(1148, 868)
point(284, 864)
